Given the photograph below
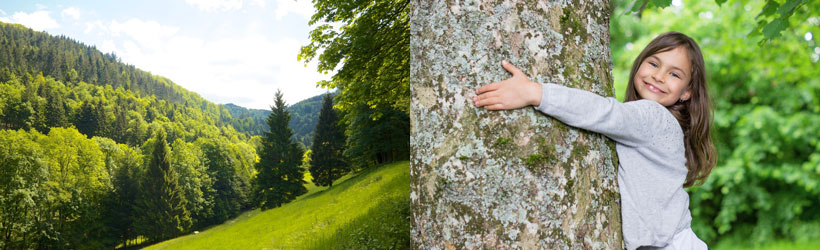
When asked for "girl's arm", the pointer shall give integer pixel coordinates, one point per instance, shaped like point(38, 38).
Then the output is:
point(629, 123)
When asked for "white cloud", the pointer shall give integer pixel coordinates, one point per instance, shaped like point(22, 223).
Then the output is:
point(91, 26)
point(72, 12)
point(216, 5)
point(147, 33)
point(245, 70)
point(2, 12)
point(108, 46)
point(37, 20)
point(300, 7)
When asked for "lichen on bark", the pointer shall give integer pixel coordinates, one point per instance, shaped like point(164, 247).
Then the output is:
point(508, 179)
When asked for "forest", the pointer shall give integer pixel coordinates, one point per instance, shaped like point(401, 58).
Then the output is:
point(96, 153)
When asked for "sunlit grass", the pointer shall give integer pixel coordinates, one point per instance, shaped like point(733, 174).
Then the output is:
point(356, 205)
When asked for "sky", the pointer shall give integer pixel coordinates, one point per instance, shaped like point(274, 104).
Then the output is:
point(227, 51)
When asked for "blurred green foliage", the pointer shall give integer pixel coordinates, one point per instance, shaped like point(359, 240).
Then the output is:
point(766, 126)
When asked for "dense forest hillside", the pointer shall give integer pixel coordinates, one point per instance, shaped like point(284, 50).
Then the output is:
point(304, 115)
point(88, 144)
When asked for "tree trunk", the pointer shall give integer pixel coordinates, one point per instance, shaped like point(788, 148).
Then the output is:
point(508, 179)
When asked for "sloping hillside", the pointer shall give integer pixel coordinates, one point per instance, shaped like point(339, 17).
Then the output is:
point(303, 117)
point(374, 203)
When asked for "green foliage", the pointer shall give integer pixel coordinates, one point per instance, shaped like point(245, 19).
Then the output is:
point(373, 43)
point(772, 19)
point(24, 175)
point(161, 208)
point(374, 80)
point(230, 190)
point(280, 178)
point(99, 95)
point(767, 108)
point(87, 198)
point(373, 141)
point(120, 204)
point(66, 60)
point(303, 119)
point(327, 161)
point(304, 115)
point(186, 160)
point(248, 121)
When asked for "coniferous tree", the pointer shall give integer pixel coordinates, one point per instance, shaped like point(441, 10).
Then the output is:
point(279, 179)
point(162, 212)
point(101, 127)
point(87, 120)
point(56, 109)
point(125, 193)
point(327, 162)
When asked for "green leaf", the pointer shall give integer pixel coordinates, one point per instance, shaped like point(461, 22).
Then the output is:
point(720, 2)
point(636, 6)
point(662, 3)
point(773, 28)
point(769, 9)
point(787, 9)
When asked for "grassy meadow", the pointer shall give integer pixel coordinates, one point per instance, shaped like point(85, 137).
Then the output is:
point(370, 209)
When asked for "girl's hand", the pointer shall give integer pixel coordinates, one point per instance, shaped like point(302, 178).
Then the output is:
point(513, 93)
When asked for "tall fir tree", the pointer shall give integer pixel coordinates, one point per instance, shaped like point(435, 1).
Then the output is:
point(162, 212)
point(87, 120)
point(56, 109)
point(327, 162)
point(280, 178)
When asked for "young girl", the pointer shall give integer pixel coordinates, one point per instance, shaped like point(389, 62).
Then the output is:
point(661, 134)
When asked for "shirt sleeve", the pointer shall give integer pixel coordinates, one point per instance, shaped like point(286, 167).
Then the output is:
point(631, 123)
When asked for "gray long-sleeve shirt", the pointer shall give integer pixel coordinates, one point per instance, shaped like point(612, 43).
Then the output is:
point(651, 171)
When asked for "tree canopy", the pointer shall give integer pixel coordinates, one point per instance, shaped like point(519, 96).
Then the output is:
point(371, 48)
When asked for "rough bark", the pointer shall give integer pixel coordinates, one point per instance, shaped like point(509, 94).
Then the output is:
point(508, 179)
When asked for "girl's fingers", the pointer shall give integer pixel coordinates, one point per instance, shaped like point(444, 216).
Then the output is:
point(488, 87)
point(487, 101)
point(512, 69)
point(497, 106)
point(483, 97)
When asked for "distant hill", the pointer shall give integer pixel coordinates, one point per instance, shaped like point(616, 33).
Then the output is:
point(134, 94)
point(55, 81)
point(85, 124)
point(303, 118)
point(245, 120)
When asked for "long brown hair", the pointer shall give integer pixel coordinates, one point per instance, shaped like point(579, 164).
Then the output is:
point(693, 115)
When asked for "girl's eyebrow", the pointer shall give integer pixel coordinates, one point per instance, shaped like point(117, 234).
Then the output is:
point(673, 66)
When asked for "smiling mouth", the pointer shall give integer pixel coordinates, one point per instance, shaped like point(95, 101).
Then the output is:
point(653, 88)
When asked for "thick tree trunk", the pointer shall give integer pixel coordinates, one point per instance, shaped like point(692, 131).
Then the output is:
point(508, 179)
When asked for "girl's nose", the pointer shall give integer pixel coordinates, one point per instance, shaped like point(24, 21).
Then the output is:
point(657, 76)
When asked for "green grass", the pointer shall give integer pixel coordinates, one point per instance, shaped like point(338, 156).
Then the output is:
point(367, 210)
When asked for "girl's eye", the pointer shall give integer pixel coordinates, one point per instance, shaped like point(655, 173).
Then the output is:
point(653, 64)
point(676, 75)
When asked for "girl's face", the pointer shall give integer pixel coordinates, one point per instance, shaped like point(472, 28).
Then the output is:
point(664, 77)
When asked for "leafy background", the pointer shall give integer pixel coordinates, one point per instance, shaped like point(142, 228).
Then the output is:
point(766, 94)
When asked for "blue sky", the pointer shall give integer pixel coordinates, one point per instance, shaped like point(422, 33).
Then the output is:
point(228, 51)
